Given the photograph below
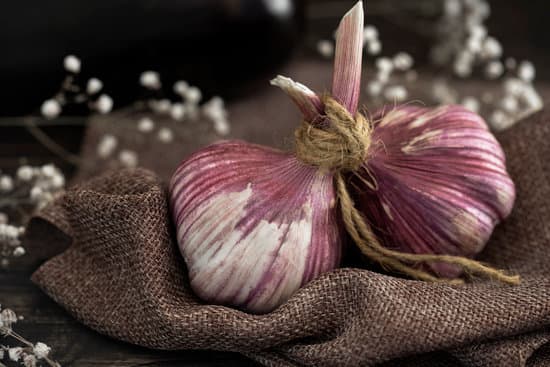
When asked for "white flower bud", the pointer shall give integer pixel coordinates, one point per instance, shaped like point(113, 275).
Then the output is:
point(128, 158)
point(19, 251)
point(494, 69)
point(72, 64)
point(41, 350)
point(161, 106)
point(150, 80)
point(193, 95)
point(395, 93)
point(29, 360)
point(107, 145)
point(6, 183)
point(177, 111)
point(370, 33)
point(374, 47)
point(474, 44)
point(93, 86)
point(181, 87)
point(50, 109)
point(165, 135)
point(216, 101)
point(478, 32)
point(25, 173)
point(58, 181)
point(146, 125)
point(531, 98)
point(509, 104)
point(325, 48)
point(3, 218)
point(36, 193)
point(7, 318)
point(491, 48)
point(384, 64)
point(500, 120)
point(514, 86)
point(221, 127)
point(48, 170)
point(15, 353)
point(471, 103)
point(104, 104)
point(526, 71)
point(402, 61)
point(374, 88)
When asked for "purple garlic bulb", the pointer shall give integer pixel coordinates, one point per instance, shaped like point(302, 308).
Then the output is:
point(433, 180)
point(253, 224)
point(441, 183)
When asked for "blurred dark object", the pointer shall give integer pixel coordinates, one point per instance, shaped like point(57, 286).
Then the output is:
point(219, 45)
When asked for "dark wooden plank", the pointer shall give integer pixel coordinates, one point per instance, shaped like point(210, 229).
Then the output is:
point(74, 344)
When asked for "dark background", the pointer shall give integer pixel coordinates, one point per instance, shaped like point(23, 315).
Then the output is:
point(224, 46)
point(227, 47)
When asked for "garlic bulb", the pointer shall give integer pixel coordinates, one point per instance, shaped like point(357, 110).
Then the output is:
point(419, 186)
point(253, 224)
point(442, 184)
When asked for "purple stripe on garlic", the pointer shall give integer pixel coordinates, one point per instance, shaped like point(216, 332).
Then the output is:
point(253, 224)
point(442, 182)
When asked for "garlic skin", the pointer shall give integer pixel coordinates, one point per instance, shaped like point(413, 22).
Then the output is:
point(253, 224)
point(441, 181)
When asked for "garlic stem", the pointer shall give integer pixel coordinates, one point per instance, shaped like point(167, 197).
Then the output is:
point(346, 80)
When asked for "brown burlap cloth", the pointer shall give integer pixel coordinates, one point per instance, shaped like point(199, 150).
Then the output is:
point(122, 275)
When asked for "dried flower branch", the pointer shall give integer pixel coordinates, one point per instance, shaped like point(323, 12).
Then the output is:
point(29, 354)
point(31, 189)
point(184, 109)
point(465, 49)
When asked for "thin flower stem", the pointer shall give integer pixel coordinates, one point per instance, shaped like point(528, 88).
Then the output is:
point(9, 332)
point(49, 143)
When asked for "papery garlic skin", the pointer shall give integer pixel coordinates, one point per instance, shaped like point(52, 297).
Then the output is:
point(253, 224)
point(441, 180)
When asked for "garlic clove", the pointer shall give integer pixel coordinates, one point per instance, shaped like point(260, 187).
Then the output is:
point(253, 224)
point(441, 183)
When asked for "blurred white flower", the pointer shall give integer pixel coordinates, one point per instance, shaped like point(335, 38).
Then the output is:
point(146, 125)
point(165, 135)
point(107, 145)
point(72, 64)
point(93, 86)
point(50, 109)
point(41, 350)
point(325, 48)
point(150, 80)
point(104, 104)
point(128, 158)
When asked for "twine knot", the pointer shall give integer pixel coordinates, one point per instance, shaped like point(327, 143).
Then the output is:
point(341, 145)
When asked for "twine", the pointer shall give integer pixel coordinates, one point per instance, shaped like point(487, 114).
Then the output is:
point(342, 146)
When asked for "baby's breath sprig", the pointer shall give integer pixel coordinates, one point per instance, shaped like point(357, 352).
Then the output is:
point(175, 113)
point(28, 354)
point(30, 189)
point(463, 48)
